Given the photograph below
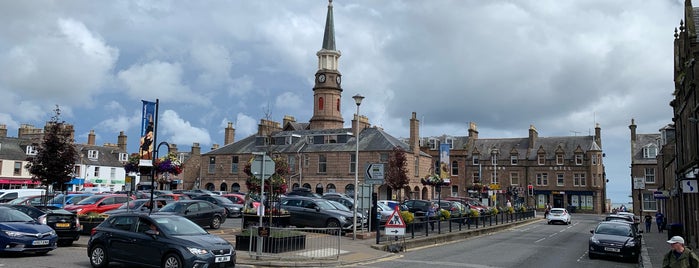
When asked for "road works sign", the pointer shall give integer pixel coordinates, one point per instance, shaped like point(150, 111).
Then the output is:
point(395, 224)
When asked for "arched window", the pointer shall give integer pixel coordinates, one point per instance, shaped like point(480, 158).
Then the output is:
point(320, 103)
point(210, 186)
point(338, 105)
point(224, 187)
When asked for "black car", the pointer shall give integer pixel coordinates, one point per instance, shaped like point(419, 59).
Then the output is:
point(615, 239)
point(232, 209)
point(66, 224)
point(342, 199)
point(139, 205)
point(157, 241)
point(419, 207)
point(318, 212)
point(303, 192)
point(200, 212)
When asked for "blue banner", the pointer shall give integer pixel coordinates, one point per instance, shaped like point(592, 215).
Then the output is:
point(147, 130)
point(444, 160)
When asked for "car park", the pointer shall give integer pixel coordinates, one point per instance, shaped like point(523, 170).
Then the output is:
point(7, 195)
point(21, 233)
point(65, 224)
point(157, 240)
point(139, 205)
point(232, 209)
point(200, 212)
point(98, 203)
point(417, 206)
point(60, 200)
point(318, 212)
point(558, 215)
point(303, 192)
point(385, 211)
point(32, 200)
point(615, 239)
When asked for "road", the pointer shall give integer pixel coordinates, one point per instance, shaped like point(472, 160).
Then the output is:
point(533, 245)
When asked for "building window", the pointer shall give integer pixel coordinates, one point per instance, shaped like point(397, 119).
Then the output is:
point(650, 175)
point(476, 177)
point(123, 157)
point(31, 150)
point(18, 169)
point(383, 157)
point(594, 159)
point(476, 161)
point(306, 160)
point(450, 141)
point(650, 151)
point(112, 173)
point(649, 203)
point(235, 160)
point(513, 160)
point(560, 179)
point(97, 172)
point(494, 179)
point(583, 181)
point(542, 179)
point(338, 105)
point(433, 144)
point(454, 168)
point(578, 159)
point(576, 179)
point(514, 178)
point(322, 163)
point(212, 165)
point(417, 167)
point(353, 162)
point(92, 154)
point(320, 103)
point(594, 179)
point(291, 159)
point(559, 159)
point(541, 159)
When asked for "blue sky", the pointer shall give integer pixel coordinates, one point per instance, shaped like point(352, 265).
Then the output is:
point(561, 66)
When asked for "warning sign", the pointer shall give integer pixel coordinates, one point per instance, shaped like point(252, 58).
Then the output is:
point(395, 224)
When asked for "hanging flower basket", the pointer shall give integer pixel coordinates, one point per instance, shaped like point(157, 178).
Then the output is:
point(132, 166)
point(434, 180)
point(169, 163)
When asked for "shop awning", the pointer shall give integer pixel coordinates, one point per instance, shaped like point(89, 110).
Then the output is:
point(18, 181)
point(76, 181)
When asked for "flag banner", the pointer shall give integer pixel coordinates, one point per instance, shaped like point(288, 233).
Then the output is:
point(147, 130)
point(444, 160)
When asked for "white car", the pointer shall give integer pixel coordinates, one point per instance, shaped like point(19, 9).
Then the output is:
point(558, 215)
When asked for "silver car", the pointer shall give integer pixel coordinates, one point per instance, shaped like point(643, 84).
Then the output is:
point(558, 215)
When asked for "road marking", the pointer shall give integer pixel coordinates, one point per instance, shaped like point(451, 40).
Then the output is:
point(454, 264)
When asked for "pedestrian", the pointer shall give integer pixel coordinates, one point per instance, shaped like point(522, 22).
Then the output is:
point(679, 256)
point(649, 221)
point(659, 218)
point(547, 210)
point(509, 204)
point(430, 214)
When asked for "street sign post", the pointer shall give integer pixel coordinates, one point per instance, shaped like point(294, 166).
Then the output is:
point(374, 174)
point(395, 224)
point(263, 166)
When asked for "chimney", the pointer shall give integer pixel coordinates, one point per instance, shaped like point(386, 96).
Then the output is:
point(267, 127)
point(363, 123)
point(172, 148)
point(196, 150)
point(121, 141)
point(472, 131)
point(533, 135)
point(230, 134)
point(288, 119)
point(415, 134)
point(214, 146)
point(632, 127)
point(91, 137)
point(3, 131)
point(598, 135)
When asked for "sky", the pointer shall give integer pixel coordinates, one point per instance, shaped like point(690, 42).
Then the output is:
point(562, 66)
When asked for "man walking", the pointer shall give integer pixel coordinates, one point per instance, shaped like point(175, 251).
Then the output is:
point(679, 256)
point(659, 217)
point(648, 220)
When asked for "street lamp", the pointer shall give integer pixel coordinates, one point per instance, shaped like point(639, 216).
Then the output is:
point(358, 100)
point(494, 161)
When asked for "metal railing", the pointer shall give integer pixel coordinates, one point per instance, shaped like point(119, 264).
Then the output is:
point(292, 243)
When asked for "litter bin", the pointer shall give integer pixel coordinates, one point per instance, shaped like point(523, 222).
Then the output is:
point(674, 229)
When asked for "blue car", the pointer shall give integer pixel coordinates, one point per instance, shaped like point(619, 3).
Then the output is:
point(68, 199)
point(21, 233)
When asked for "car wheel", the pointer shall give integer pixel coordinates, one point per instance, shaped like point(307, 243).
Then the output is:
point(172, 261)
point(216, 222)
point(98, 256)
point(334, 224)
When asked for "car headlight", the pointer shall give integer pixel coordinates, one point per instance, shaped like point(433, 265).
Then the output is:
point(78, 210)
point(631, 243)
point(16, 234)
point(197, 251)
point(594, 240)
point(343, 218)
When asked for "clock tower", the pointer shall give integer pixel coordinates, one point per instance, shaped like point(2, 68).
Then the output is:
point(327, 92)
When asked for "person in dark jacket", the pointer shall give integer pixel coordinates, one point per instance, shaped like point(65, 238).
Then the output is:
point(680, 256)
point(659, 218)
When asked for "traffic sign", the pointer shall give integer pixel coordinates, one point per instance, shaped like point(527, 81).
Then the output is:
point(257, 166)
point(374, 174)
point(395, 224)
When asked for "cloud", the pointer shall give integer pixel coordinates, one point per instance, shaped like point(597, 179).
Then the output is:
point(159, 80)
point(176, 130)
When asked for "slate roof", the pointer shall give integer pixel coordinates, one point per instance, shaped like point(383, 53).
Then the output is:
point(643, 140)
point(14, 148)
point(108, 156)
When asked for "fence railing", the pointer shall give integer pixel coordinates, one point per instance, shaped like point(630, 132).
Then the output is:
point(291, 243)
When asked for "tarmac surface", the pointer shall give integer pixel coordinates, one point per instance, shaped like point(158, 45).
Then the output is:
point(365, 250)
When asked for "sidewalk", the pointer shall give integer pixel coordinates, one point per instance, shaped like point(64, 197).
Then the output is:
point(654, 247)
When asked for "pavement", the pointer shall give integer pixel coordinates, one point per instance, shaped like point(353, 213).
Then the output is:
point(654, 247)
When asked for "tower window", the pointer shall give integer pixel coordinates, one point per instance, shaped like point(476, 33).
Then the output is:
point(320, 103)
point(338, 105)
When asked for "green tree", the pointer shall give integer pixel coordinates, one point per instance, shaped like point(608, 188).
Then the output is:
point(56, 156)
point(397, 174)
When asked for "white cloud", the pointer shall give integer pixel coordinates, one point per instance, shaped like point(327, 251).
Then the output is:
point(178, 131)
point(159, 80)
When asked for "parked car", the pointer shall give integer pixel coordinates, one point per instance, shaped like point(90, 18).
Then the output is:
point(7, 195)
point(66, 224)
point(317, 212)
point(239, 198)
point(417, 206)
point(98, 203)
point(175, 197)
point(32, 200)
point(303, 192)
point(385, 211)
point(139, 205)
point(472, 203)
point(158, 241)
point(200, 212)
point(456, 209)
point(232, 209)
point(636, 219)
point(558, 215)
point(21, 233)
point(615, 239)
point(340, 198)
point(60, 200)
point(620, 217)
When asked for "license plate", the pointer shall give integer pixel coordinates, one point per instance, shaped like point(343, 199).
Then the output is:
point(223, 259)
point(40, 242)
point(612, 249)
point(63, 225)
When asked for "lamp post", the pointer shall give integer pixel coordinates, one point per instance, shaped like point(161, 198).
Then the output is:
point(494, 154)
point(358, 100)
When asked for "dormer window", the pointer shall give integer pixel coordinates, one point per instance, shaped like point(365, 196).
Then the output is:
point(476, 161)
point(31, 150)
point(541, 159)
point(93, 154)
point(513, 160)
point(578, 159)
point(450, 141)
point(650, 151)
point(433, 144)
point(123, 157)
point(559, 159)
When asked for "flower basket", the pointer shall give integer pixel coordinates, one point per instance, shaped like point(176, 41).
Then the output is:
point(434, 180)
point(275, 184)
point(169, 163)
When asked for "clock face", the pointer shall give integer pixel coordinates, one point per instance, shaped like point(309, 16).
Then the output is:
point(337, 79)
point(321, 78)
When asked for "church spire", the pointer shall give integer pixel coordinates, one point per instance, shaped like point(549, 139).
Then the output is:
point(329, 37)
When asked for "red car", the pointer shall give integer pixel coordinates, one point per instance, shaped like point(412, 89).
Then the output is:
point(238, 198)
point(176, 197)
point(98, 203)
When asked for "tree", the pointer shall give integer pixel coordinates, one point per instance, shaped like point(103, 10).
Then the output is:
point(397, 174)
point(55, 157)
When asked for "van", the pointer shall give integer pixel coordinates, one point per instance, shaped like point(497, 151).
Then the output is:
point(7, 195)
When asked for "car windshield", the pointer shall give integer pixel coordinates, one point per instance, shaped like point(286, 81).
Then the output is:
point(133, 204)
point(179, 226)
point(11, 215)
point(90, 200)
point(383, 206)
point(58, 199)
point(174, 207)
point(18, 200)
point(614, 229)
point(556, 211)
point(325, 204)
point(338, 205)
point(223, 200)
